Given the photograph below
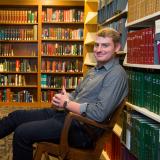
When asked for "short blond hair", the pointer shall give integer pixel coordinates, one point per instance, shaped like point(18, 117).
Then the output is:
point(109, 32)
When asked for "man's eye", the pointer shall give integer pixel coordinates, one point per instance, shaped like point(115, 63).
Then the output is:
point(104, 45)
point(96, 45)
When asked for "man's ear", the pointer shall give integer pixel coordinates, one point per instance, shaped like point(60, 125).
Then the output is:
point(117, 47)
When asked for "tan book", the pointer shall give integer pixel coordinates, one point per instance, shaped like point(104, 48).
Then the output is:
point(35, 32)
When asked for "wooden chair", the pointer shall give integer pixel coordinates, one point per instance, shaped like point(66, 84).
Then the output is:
point(64, 152)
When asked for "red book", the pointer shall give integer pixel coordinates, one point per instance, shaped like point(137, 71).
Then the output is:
point(17, 65)
point(53, 66)
point(8, 97)
point(51, 96)
point(49, 14)
point(48, 66)
point(158, 45)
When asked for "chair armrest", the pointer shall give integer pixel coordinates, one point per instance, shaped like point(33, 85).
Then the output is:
point(64, 146)
point(86, 120)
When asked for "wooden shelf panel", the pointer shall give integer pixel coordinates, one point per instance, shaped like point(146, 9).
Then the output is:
point(90, 59)
point(63, 3)
point(62, 56)
point(27, 86)
point(121, 52)
point(69, 73)
point(5, 72)
point(14, 23)
point(104, 156)
point(90, 38)
point(144, 111)
point(45, 104)
point(92, 1)
point(19, 3)
point(69, 23)
point(63, 40)
point(91, 18)
point(19, 104)
point(117, 130)
point(19, 41)
point(52, 88)
point(19, 57)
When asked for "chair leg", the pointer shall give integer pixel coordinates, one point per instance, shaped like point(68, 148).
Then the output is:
point(38, 153)
point(60, 158)
point(46, 156)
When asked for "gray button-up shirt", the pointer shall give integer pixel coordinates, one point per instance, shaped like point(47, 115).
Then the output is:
point(101, 90)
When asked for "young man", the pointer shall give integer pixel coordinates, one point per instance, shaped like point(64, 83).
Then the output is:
point(97, 96)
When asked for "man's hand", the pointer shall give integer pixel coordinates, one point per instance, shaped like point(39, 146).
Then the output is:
point(59, 99)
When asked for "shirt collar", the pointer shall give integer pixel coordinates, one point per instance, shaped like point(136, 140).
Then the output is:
point(109, 64)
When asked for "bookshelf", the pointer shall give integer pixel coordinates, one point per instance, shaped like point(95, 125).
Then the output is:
point(91, 18)
point(90, 38)
point(47, 45)
point(143, 72)
point(113, 13)
point(90, 28)
point(62, 47)
point(18, 52)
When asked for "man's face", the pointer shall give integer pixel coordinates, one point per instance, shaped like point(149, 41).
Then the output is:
point(104, 49)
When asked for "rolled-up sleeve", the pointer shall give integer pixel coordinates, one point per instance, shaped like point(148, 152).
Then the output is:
point(83, 107)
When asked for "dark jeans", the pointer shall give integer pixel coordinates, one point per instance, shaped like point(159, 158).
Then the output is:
point(30, 126)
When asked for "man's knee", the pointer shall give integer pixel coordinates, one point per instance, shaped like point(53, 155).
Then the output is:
point(16, 114)
point(21, 135)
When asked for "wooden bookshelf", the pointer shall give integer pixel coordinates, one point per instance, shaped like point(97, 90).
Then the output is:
point(90, 38)
point(90, 29)
point(91, 18)
point(34, 56)
point(116, 20)
point(143, 18)
point(90, 59)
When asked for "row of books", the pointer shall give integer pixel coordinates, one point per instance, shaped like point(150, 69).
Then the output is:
point(73, 65)
point(6, 95)
point(120, 27)
point(140, 8)
point(16, 33)
point(157, 43)
point(46, 96)
point(141, 135)
point(62, 33)
point(18, 16)
point(116, 150)
point(110, 9)
point(12, 80)
point(18, 65)
point(62, 15)
point(10, 49)
point(140, 46)
point(126, 155)
point(62, 49)
point(144, 89)
point(59, 81)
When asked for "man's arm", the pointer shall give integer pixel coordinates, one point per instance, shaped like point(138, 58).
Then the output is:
point(114, 90)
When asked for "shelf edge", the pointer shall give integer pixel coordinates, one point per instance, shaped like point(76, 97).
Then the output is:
point(144, 111)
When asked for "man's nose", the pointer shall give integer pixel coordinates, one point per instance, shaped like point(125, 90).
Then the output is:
point(99, 48)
